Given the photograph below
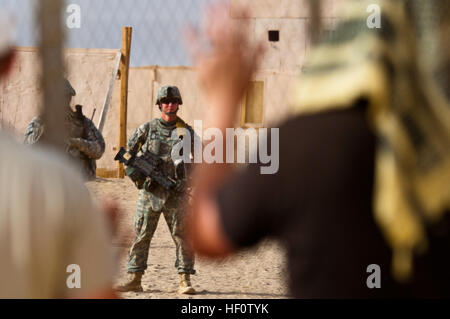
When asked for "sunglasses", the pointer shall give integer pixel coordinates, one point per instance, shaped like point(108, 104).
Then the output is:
point(170, 100)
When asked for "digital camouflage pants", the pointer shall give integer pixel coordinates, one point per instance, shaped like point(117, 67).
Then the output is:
point(145, 223)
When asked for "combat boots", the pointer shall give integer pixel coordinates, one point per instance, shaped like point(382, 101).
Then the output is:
point(185, 285)
point(133, 284)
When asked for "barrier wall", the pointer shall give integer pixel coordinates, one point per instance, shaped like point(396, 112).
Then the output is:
point(144, 83)
point(88, 70)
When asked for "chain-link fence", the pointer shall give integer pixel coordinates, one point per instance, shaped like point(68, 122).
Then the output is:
point(94, 43)
point(117, 54)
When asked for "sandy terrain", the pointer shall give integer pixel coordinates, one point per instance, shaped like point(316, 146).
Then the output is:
point(256, 273)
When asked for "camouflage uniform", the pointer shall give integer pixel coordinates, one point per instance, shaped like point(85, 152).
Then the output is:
point(85, 142)
point(156, 136)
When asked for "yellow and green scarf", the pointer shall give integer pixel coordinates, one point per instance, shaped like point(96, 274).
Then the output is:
point(393, 68)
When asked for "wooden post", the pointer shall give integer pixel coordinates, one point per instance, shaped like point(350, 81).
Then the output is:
point(315, 25)
point(52, 61)
point(124, 67)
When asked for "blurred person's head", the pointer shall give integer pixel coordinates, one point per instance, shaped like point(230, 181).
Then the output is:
point(431, 24)
point(408, 56)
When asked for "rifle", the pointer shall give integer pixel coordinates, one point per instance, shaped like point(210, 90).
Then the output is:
point(93, 113)
point(147, 165)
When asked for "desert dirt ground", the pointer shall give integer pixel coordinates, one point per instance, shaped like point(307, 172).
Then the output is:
point(253, 273)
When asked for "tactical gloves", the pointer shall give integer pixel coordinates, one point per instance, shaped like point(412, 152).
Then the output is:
point(137, 178)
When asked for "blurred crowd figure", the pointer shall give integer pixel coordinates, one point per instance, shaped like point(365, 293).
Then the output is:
point(50, 229)
point(364, 157)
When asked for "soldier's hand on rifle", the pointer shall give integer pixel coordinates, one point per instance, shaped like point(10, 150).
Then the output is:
point(147, 184)
point(73, 142)
point(179, 187)
point(72, 147)
point(135, 176)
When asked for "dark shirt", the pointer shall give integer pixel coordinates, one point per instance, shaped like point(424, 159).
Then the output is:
point(319, 205)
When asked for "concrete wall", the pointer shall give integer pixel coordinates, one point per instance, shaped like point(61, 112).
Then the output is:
point(89, 72)
point(286, 55)
point(144, 83)
point(276, 9)
point(292, 19)
point(20, 97)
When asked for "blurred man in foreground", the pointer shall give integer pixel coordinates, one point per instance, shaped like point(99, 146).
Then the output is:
point(364, 167)
point(54, 242)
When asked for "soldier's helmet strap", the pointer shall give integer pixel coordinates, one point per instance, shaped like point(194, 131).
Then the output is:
point(180, 125)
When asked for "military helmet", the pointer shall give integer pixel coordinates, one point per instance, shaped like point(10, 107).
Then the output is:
point(68, 89)
point(169, 91)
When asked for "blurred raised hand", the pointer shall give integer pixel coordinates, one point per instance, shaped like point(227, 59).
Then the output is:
point(225, 59)
point(111, 210)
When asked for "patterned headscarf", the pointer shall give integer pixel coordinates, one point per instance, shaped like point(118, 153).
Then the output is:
point(402, 70)
point(7, 35)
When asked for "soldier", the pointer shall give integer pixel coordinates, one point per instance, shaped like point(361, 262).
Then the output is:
point(85, 142)
point(156, 136)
